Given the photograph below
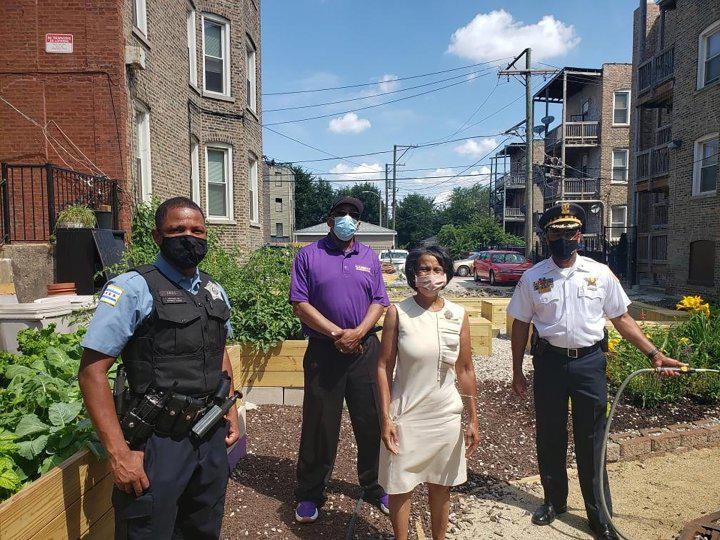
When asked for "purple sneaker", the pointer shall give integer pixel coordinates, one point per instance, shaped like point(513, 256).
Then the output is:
point(385, 504)
point(306, 512)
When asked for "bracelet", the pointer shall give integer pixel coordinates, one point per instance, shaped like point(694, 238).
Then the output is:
point(653, 353)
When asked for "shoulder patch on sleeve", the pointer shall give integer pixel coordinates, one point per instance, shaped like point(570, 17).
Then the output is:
point(111, 295)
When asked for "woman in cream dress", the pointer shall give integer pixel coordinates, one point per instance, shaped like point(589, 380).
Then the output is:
point(426, 345)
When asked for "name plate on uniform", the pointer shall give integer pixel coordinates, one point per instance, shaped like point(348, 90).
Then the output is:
point(172, 297)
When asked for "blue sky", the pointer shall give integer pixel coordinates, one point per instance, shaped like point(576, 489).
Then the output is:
point(311, 44)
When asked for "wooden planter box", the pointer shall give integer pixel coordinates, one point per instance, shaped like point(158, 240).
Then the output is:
point(495, 310)
point(281, 366)
point(70, 501)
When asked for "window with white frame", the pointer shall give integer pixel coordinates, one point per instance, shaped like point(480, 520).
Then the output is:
point(251, 76)
point(191, 46)
point(705, 169)
point(216, 55)
point(620, 165)
point(618, 220)
point(218, 173)
point(621, 108)
point(143, 175)
point(278, 205)
point(195, 170)
point(140, 15)
point(709, 55)
point(253, 189)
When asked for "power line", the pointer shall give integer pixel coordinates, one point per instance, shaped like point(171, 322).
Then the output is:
point(370, 180)
point(359, 85)
point(317, 173)
point(319, 116)
point(361, 98)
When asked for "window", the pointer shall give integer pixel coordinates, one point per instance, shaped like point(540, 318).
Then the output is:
point(216, 55)
point(140, 15)
point(584, 165)
point(278, 205)
point(191, 46)
point(619, 166)
point(195, 170)
point(621, 108)
point(585, 110)
point(218, 172)
point(278, 179)
point(705, 173)
point(279, 229)
point(702, 263)
point(709, 55)
point(250, 70)
point(253, 189)
point(142, 152)
point(618, 221)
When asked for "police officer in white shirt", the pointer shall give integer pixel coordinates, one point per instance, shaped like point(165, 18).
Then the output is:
point(567, 298)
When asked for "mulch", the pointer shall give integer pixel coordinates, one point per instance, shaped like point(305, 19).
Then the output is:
point(260, 501)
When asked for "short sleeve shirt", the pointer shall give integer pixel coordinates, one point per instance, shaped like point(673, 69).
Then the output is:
point(341, 285)
point(568, 306)
point(125, 303)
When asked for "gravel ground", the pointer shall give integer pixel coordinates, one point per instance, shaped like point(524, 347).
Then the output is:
point(458, 287)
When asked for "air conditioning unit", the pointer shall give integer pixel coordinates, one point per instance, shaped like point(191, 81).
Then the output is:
point(135, 57)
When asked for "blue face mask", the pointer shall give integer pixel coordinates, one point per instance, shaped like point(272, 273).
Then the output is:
point(345, 227)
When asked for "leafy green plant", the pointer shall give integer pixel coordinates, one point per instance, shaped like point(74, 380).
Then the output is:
point(695, 341)
point(42, 419)
point(77, 213)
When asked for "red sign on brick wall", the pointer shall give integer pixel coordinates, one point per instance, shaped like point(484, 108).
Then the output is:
point(59, 43)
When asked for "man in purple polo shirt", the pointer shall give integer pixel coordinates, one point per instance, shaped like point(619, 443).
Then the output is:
point(337, 291)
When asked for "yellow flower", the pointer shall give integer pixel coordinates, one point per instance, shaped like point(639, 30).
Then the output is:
point(612, 344)
point(690, 303)
point(684, 341)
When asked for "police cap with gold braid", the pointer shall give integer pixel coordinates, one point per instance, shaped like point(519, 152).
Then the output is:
point(564, 215)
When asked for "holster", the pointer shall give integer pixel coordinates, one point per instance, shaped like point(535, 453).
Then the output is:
point(537, 344)
point(604, 347)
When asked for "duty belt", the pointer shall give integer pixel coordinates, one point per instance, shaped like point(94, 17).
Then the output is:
point(570, 353)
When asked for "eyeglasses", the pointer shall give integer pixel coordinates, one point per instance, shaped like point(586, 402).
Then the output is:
point(425, 271)
point(342, 213)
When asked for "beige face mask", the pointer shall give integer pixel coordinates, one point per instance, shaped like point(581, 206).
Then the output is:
point(432, 283)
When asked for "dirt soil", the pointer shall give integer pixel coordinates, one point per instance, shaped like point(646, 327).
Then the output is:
point(653, 499)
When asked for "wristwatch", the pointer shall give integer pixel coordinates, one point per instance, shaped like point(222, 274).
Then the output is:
point(653, 353)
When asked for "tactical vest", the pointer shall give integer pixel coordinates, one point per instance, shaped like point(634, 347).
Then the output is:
point(180, 345)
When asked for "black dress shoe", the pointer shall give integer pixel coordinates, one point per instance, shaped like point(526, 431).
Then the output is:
point(605, 532)
point(547, 513)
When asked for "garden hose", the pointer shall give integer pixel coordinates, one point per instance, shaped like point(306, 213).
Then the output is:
point(685, 370)
point(351, 526)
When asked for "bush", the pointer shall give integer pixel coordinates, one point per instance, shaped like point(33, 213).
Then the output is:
point(695, 341)
point(42, 418)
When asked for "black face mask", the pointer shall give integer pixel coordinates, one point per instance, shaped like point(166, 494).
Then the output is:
point(562, 248)
point(184, 251)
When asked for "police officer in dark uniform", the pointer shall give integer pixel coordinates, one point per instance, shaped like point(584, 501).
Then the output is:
point(566, 298)
point(169, 323)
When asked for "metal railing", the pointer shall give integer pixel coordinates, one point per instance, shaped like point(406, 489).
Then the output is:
point(657, 69)
point(33, 196)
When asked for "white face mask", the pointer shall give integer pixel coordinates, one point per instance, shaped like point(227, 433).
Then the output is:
point(431, 283)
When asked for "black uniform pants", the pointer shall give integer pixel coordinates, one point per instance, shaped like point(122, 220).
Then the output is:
point(186, 498)
point(558, 378)
point(330, 377)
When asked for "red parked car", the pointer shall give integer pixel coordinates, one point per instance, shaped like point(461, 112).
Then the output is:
point(500, 266)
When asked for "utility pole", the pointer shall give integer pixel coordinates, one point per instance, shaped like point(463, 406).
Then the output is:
point(528, 72)
point(387, 207)
point(394, 176)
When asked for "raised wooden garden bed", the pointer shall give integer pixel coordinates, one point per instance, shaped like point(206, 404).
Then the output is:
point(70, 501)
point(495, 310)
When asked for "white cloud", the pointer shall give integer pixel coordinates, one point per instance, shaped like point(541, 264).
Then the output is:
point(349, 123)
point(361, 173)
point(476, 148)
point(388, 83)
point(441, 199)
point(494, 35)
point(444, 177)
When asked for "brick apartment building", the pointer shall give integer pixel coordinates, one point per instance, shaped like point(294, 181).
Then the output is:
point(676, 119)
point(508, 186)
point(161, 95)
point(279, 198)
point(589, 148)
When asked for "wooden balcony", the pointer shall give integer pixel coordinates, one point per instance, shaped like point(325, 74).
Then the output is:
point(652, 163)
point(514, 214)
point(574, 134)
point(655, 76)
point(574, 189)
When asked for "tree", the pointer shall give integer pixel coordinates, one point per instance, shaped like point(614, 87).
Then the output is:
point(313, 198)
point(480, 233)
point(370, 200)
point(416, 219)
point(465, 204)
